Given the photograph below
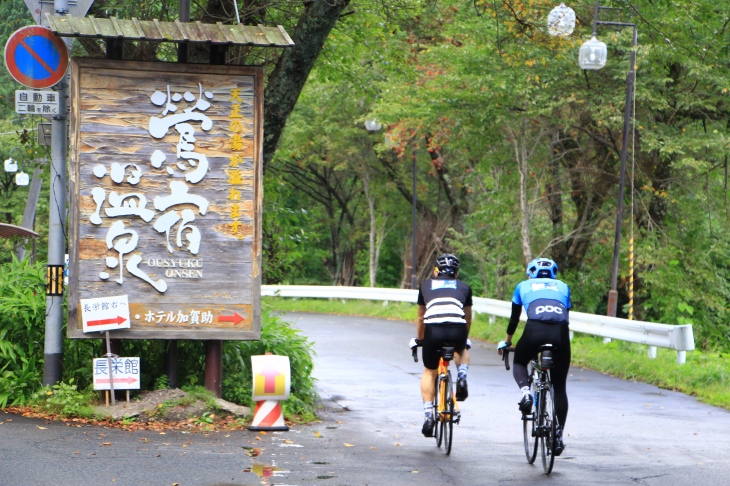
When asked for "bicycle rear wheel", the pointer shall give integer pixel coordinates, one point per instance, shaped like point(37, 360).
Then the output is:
point(548, 424)
point(529, 429)
point(447, 422)
point(437, 431)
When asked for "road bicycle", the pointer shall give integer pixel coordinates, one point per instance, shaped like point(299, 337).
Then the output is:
point(541, 424)
point(445, 408)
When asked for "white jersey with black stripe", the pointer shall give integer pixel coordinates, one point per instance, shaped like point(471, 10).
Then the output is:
point(445, 299)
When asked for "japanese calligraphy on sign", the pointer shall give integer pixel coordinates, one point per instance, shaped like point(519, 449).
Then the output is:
point(166, 196)
point(124, 371)
point(32, 102)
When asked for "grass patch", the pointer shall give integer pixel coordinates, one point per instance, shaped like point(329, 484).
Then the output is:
point(705, 375)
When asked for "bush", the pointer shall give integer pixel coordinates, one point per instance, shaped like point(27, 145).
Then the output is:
point(22, 334)
point(65, 400)
point(22, 324)
point(277, 337)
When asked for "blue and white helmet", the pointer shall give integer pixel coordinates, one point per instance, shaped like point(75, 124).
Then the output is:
point(542, 268)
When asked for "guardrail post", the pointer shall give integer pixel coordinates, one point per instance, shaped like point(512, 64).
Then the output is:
point(681, 357)
point(652, 352)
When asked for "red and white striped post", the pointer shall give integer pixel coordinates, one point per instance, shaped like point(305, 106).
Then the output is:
point(271, 383)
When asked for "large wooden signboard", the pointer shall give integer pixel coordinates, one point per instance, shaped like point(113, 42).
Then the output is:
point(166, 197)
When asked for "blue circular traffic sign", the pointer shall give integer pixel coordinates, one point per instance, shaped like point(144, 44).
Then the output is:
point(36, 57)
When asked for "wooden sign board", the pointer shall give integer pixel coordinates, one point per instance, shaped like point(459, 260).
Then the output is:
point(166, 192)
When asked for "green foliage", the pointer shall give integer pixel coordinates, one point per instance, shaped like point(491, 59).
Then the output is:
point(22, 320)
point(162, 383)
point(277, 337)
point(65, 400)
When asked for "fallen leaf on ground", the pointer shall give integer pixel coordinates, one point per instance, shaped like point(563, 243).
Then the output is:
point(288, 441)
point(43, 428)
point(349, 445)
point(373, 448)
point(317, 435)
point(106, 443)
point(398, 444)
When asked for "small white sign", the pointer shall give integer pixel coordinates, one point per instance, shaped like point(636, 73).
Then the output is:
point(126, 373)
point(105, 313)
point(34, 102)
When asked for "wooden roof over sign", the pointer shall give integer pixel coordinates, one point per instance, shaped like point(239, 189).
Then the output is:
point(156, 31)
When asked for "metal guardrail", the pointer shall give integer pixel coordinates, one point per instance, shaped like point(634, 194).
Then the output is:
point(677, 337)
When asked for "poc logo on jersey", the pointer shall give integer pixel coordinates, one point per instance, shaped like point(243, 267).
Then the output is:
point(548, 308)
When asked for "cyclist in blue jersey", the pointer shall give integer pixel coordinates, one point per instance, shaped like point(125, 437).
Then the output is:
point(546, 301)
point(444, 316)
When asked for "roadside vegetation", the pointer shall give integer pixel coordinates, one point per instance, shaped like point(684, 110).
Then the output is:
point(22, 323)
point(705, 375)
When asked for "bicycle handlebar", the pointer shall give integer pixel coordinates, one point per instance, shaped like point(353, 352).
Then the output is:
point(419, 343)
point(505, 356)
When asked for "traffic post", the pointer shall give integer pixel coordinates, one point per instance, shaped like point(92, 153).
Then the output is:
point(271, 383)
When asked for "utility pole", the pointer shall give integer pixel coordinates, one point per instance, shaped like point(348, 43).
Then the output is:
point(53, 345)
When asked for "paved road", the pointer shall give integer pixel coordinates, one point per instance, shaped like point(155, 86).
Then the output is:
point(618, 432)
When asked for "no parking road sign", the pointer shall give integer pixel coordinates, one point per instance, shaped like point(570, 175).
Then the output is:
point(35, 57)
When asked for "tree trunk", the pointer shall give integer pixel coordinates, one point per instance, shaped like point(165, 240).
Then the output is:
point(519, 143)
point(286, 81)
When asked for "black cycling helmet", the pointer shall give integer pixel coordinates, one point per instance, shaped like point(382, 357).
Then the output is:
point(542, 268)
point(447, 264)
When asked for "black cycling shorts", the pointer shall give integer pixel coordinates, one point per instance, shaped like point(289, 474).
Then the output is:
point(438, 334)
point(538, 333)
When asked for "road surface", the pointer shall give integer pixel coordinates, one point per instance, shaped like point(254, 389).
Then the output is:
point(618, 432)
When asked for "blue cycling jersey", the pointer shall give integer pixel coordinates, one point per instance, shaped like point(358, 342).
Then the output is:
point(544, 299)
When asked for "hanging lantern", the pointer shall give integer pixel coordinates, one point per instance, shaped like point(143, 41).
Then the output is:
point(592, 54)
point(372, 125)
point(11, 165)
point(561, 21)
point(22, 179)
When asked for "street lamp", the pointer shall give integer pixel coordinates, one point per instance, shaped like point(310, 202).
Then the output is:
point(593, 56)
point(414, 279)
point(11, 165)
point(561, 21)
point(374, 126)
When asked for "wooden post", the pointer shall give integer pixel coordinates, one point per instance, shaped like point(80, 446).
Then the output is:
point(171, 367)
point(214, 367)
point(109, 367)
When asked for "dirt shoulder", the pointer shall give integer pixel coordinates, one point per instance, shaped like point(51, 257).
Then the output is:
point(159, 410)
